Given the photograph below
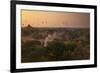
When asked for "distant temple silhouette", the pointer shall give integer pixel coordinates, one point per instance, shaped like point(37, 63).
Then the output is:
point(29, 25)
point(45, 23)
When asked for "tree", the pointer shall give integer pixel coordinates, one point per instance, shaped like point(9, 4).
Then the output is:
point(56, 50)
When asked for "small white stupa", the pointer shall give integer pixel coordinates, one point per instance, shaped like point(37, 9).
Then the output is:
point(49, 38)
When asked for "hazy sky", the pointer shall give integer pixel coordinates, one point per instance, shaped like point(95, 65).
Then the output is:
point(55, 19)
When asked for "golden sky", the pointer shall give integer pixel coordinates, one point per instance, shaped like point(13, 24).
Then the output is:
point(55, 19)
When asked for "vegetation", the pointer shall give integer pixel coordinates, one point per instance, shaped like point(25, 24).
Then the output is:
point(69, 44)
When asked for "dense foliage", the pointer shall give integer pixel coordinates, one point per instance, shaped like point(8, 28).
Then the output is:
point(70, 44)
